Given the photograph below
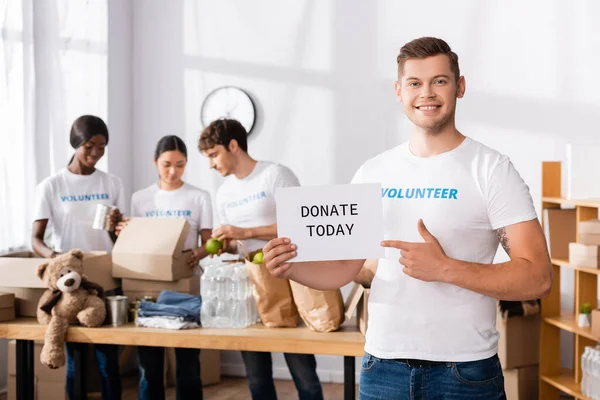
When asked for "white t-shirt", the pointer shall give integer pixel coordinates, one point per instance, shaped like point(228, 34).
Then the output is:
point(68, 201)
point(463, 196)
point(187, 202)
point(250, 202)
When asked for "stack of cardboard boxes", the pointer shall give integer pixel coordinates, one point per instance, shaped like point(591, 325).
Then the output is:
point(7, 307)
point(518, 350)
point(585, 252)
point(150, 257)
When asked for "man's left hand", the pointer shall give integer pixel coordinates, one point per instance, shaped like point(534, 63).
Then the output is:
point(225, 232)
point(425, 261)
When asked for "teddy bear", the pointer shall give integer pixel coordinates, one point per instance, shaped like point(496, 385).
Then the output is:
point(70, 299)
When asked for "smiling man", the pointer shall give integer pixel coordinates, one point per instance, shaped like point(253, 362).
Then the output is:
point(448, 201)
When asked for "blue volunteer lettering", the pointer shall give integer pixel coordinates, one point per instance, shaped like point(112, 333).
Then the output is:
point(420, 193)
point(85, 197)
point(167, 213)
point(246, 200)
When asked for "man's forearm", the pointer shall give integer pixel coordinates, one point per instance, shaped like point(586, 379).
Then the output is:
point(517, 279)
point(261, 232)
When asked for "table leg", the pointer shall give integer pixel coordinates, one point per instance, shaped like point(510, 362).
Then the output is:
point(349, 378)
point(25, 369)
point(78, 377)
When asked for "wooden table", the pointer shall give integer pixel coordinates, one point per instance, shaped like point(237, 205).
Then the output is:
point(347, 342)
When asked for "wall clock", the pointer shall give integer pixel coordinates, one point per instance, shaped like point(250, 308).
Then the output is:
point(229, 102)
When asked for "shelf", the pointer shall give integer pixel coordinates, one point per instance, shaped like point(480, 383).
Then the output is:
point(566, 382)
point(594, 203)
point(566, 321)
point(565, 263)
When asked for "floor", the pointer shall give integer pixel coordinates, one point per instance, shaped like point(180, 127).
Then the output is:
point(232, 388)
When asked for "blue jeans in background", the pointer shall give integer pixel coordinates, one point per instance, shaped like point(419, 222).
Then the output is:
point(397, 380)
point(107, 359)
point(303, 367)
point(152, 373)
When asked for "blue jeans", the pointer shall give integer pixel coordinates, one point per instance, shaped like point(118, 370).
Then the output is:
point(152, 373)
point(107, 359)
point(396, 380)
point(303, 367)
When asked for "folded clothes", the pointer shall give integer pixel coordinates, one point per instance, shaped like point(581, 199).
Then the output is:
point(165, 322)
point(172, 304)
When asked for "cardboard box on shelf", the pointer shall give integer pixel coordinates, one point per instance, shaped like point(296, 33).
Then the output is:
point(358, 301)
point(186, 285)
point(596, 322)
point(519, 342)
point(589, 232)
point(18, 271)
point(584, 255)
point(152, 249)
point(560, 228)
point(521, 383)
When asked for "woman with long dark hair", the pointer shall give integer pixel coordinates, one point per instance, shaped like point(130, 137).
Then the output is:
point(171, 197)
point(67, 201)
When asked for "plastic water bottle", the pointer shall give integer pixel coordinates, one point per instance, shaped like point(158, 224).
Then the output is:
point(585, 371)
point(207, 291)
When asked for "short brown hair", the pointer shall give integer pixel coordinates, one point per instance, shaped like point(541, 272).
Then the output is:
point(223, 131)
point(427, 47)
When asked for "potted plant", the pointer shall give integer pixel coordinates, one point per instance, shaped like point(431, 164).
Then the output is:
point(584, 319)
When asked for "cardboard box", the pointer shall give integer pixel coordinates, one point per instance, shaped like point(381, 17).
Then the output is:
point(560, 228)
point(521, 383)
point(519, 342)
point(589, 232)
point(596, 322)
point(7, 314)
point(358, 301)
point(40, 370)
point(26, 300)
point(18, 270)
point(42, 390)
point(584, 255)
point(7, 307)
point(152, 249)
point(187, 285)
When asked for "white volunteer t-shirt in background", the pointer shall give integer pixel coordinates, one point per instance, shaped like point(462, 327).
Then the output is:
point(69, 202)
point(250, 202)
point(187, 202)
point(463, 196)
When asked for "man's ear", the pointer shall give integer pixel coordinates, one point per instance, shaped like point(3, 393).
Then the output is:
point(461, 87)
point(233, 146)
point(398, 90)
point(41, 269)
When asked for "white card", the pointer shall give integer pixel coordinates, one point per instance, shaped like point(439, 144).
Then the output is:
point(340, 222)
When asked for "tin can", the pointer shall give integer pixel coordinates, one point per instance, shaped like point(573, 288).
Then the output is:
point(102, 211)
point(117, 310)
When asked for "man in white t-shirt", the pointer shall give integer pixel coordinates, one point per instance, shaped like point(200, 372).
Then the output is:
point(246, 209)
point(448, 201)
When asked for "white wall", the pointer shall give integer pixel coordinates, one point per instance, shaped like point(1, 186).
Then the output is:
point(322, 73)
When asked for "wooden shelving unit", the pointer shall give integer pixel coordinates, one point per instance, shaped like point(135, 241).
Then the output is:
point(553, 379)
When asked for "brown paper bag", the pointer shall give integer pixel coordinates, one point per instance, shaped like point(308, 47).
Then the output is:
point(321, 310)
point(273, 296)
point(367, 273)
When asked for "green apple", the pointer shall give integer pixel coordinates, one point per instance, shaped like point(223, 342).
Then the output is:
point(258, 257)
point(213, 245)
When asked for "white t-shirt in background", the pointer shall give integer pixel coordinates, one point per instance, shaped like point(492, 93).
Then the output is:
point(69, 202)
point(250, 202)
point(463, 196)
point(187, 202)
